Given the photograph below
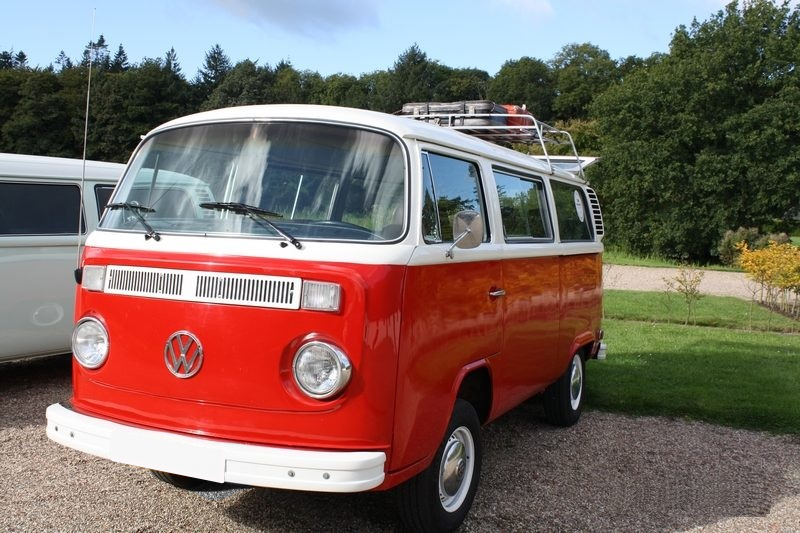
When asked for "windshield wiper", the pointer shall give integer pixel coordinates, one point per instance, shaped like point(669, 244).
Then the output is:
point(137, 209)
point(257, 214)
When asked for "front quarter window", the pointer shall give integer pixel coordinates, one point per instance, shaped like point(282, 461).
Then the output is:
point(451, 185)
point(307, 180)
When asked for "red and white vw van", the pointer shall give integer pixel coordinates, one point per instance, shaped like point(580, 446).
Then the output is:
point(330, 299)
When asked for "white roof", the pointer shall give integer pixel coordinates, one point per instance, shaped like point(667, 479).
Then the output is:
point(37, 166)
point(402, 126)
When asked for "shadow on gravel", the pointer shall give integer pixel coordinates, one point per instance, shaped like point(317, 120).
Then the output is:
point(28, 387)
point(615, 473)
point(292, 511)
point(607, 473)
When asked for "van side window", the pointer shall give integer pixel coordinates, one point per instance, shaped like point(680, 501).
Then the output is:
point(523, 208)
point(451, 185)
point(39, 209)
point(102, 194)
point(573, 212)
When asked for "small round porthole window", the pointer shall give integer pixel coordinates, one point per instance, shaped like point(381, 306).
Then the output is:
point(576, 195)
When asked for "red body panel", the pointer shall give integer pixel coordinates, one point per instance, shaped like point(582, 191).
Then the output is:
point(410, 333)
point(449, 321)
point(530, 359)
point(581, 302)
point(245, 390)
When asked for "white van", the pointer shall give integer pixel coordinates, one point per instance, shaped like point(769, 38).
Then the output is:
point(40, 205)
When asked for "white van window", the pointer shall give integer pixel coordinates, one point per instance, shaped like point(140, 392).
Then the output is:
point(451, 185)
point(39, 209)
point(523, 207)
point(313, 181)
point(102, 194)
point(574, 220)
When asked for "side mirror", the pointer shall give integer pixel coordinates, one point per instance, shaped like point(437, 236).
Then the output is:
point(467, 230)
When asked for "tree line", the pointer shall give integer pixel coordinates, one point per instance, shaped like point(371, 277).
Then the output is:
point(693, 142)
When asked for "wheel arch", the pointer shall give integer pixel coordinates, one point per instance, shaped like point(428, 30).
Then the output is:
point(583, 345)
point(476, 388)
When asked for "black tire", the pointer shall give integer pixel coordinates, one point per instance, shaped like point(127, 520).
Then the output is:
point(563, 400)
point(440, 497)
point(183, 482)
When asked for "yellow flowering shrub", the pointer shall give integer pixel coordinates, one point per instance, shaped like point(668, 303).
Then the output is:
point(776, 271)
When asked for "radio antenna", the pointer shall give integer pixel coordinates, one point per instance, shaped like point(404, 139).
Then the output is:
point(85, 142)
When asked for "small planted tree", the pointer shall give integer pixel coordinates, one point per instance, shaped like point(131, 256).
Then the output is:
point(687, 284)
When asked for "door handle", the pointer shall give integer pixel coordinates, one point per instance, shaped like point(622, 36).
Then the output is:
point(497, 293)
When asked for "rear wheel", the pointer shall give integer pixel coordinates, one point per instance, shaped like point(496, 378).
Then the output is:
point(183, 482)
point(563, 400)
point(439, 498)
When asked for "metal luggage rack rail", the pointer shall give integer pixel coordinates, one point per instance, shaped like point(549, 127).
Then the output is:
point(495, 128)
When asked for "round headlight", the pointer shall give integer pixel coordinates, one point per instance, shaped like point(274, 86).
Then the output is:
point(321, 370)
point(90, 343)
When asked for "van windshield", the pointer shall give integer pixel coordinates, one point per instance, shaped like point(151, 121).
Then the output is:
point(305, 180)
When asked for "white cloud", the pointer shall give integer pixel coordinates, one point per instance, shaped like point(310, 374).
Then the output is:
point(321, 20)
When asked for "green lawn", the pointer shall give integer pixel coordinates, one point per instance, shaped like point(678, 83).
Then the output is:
point(715, 311)
point(612, 256)
point(724, 374)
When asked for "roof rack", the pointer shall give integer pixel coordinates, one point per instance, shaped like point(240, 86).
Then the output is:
point(504, 124)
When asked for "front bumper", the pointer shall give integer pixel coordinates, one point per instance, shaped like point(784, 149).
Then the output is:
point(213, 460)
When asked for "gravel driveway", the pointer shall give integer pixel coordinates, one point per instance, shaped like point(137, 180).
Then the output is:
point(652, 279)
point(607, 473)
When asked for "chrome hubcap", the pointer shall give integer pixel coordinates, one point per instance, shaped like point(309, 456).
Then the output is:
point(455, 472)
point(576, 382)
point(453, 467)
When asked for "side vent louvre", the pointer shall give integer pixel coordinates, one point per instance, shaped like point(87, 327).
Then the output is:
point(597, 214)
point(210, 287)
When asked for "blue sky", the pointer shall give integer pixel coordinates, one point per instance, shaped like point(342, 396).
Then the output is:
point(347, 36)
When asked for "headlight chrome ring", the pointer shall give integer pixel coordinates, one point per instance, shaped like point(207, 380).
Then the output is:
point(90, 343)
point(321, 370)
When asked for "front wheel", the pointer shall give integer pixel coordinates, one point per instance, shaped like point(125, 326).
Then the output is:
point(563, 400)
point(439, 498)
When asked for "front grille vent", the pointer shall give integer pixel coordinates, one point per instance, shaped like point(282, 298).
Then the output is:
point(246, 289)
point(211, 287)
point(145, 281)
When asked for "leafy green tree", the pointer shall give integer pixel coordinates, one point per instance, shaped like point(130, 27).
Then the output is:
point(344, 90)
point(128, 104)
point(246, 84)
point(11, 82)
point(414, 78)
point(379, 91)
point(120, 61)
point(525, 81)
point(312, 87)
point(63, 61)
point(37, 124)
point(97, 54)
point(21, 60)
point(9, 60)
point(704, 139)
point(216, 66)
point(6, 60)
point(171, 63)
point(461, 84)
point(286, 88)
point(582, 71)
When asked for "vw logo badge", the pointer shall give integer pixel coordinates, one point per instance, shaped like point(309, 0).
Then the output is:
point(183, 354)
